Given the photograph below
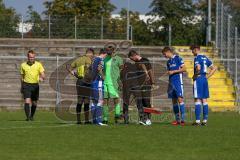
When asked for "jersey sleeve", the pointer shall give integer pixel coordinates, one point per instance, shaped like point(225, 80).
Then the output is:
point(41, 69)
point(196, 62)
point(209, 62)
point(21, 69)
point(180, 61)
point(167, 66)
point(120, 61)
point(74, 64)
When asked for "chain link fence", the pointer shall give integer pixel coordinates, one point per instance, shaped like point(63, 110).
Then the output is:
point(67, 27)
point(228, 41)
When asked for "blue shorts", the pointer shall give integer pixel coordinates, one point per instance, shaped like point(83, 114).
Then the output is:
point(175, 90)
point(200, 88)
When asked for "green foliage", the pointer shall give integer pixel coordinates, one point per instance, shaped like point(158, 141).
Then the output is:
point(8, 21)
point(173, 12)
point(40, 26)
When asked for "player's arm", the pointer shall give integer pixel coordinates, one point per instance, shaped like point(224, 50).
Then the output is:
point(182, 69)
point(197, 71)
point(42, 75)
point(212, 70)
point(144, 68)
point(100, 71)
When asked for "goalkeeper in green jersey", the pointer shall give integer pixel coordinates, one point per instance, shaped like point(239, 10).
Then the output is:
point(112, 67)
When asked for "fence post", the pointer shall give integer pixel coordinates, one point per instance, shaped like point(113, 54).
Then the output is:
point(22, 26)
point(75, 29)
point(128, 19)
point(49, 27)
point(170, 35)
point(217, 21)
point(101, 27)
point(228, 41)
point(236, 57)
point(209, 27)
point(222, 18)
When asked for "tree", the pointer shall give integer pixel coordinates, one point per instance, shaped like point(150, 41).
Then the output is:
point(39, 25)
point(87, 12)
point(9, 21)
point(173, 12)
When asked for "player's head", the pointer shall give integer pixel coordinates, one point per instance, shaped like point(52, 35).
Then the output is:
point(110, 50)
point(31, 56)
point(195, 49)
point(103, 53)
point(133, 55)
point(167, 52)
point(90, 52)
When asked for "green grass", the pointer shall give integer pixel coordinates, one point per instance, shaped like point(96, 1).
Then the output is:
point(49, 138)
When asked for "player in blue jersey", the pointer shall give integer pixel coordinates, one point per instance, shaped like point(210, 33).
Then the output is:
point(97, 87)
point(200, 84)
point(175, 67)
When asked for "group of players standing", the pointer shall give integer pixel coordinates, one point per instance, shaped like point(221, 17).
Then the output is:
point(98, 85)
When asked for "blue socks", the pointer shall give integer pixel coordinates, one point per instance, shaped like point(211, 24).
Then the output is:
point(198, 111)
point(176, 112)
point(205, 112)
point(182, 110)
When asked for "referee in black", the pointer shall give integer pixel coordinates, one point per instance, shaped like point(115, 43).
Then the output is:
point(31, 72)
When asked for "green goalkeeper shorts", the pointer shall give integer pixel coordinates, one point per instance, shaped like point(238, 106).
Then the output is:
point(111, 91)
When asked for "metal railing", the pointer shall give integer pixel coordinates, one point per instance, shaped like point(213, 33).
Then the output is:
point(67, 27)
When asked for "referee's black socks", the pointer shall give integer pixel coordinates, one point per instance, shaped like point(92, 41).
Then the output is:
point(33, 110)
point(27, 110)
point(78, 110)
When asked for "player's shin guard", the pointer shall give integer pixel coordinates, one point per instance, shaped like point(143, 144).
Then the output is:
point(205, 112)
point(176, 112)
point(198, 111)
point(105, 113)
point(33, 110)
point(86, 112)
point(182, 110)
point(27, 110)
point(117, 110)
point(99, 114)
point(93, 111)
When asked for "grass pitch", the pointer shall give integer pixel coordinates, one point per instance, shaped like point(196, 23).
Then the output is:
point(48, 138)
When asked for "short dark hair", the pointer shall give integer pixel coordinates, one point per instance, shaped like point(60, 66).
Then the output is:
point(192, 47)
point(166, 49)
point(132, 53)
point(90, 50)
point(102, 51)
point(31, 51)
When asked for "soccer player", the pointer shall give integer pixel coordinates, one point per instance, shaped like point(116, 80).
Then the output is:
point(32, 72)
point(129, 80)
point(200, 85)
point(113, 65)
point(144, 69)
point(175, 67)
point(97, 87)
point(83, 84)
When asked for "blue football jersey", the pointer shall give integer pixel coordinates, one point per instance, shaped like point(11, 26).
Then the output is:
point(95, 64)
point(204, 63)
point(175, 63)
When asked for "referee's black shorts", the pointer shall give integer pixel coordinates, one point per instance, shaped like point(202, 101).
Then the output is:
point(30, 90)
